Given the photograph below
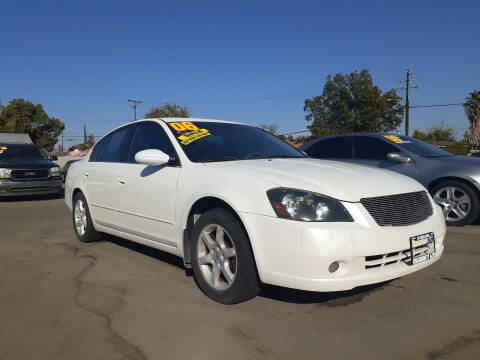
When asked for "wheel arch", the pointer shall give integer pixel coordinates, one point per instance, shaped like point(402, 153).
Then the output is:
point(199, 207)
point(468, 182)
point(75, 192)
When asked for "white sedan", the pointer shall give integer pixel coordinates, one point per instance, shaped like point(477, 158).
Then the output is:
point(242, 208)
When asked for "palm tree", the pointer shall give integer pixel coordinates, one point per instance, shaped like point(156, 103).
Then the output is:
point(472, 109)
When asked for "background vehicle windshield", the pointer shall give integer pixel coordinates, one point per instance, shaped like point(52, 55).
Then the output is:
point(16, 152)
point(422, 148)
point(210, 141)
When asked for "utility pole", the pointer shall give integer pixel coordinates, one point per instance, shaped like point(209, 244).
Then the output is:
point(135, 102)
point(407, 104)
point(407, 100)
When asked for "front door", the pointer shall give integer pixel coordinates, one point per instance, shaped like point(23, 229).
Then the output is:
point(146, 194)
point(372, 151)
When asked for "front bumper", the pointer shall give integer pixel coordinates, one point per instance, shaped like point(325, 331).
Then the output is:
point(33, 187)
point(298, 254)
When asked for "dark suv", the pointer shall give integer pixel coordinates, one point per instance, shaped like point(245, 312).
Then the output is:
point(25, 169)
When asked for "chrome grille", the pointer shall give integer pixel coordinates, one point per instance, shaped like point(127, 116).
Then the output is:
point(399, 210)
point(30, 174)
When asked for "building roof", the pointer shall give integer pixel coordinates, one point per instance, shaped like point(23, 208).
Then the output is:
point(13, 138)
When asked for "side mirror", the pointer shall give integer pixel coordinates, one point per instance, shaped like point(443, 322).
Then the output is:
point(152, 157)
point(52, 157)
point(398, 158)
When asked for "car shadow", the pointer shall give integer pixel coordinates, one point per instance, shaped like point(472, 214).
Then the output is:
point(145, 250)
point(278, 293)
point(39, 197)
point(332, 299)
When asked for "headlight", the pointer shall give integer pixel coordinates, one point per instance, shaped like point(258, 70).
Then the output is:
point(307, 206)
point(5, 173)
point(55, 171)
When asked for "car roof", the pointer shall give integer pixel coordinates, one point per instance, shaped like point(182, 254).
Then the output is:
point(377, 135)
point(177, 119)
point(171, 119)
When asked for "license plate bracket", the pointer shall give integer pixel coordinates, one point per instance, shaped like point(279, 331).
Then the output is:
point(413, 259)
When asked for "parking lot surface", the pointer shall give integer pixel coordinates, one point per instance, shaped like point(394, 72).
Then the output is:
point(61, 299)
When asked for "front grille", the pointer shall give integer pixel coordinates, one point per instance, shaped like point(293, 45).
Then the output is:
point(384, 260)
point(30, 174)
point(399, 210)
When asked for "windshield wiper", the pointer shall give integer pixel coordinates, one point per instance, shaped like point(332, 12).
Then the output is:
point(223, 158)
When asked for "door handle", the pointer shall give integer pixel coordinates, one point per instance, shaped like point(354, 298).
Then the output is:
point(121, 182)
point(86, 175)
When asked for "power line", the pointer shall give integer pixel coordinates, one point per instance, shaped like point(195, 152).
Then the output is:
point(435, 105)
point(294, 132)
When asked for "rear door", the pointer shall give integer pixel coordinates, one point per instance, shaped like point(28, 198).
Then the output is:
point(100, 175)
point(146, 194)
point(370, 150)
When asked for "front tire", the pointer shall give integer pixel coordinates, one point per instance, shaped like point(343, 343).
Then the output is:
point(222, 259)
point(459, 202)
point(82, 221)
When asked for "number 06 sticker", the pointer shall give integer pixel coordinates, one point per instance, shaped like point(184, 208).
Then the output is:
point(183, 126)
point(188, 132)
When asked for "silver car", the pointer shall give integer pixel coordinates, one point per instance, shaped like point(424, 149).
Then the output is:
point(453, 181)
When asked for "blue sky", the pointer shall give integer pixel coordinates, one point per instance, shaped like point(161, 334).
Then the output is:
point(253, 62)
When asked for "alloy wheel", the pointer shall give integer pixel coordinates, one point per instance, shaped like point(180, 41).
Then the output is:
point(80, 214)
point(455, 202)
point(217, 257)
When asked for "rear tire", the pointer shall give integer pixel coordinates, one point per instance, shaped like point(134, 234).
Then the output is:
point(82, 221)
point(459, 201)
point(222, 260)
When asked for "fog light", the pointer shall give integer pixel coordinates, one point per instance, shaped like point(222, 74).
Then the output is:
point(333, 267)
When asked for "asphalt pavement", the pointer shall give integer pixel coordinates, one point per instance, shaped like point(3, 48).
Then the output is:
point(61, 299)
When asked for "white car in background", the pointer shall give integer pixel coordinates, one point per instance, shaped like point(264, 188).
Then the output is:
point(242, 207)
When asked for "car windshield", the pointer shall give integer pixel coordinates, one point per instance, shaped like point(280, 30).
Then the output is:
point(19, 152)
point(215, 141)
point(417, 146)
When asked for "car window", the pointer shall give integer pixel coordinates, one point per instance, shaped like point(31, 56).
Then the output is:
point(333, 148)
point(216, 141)
point(417, 147)
point(371, 148)
point(150, 135)
point(114, 147)
point(17, 152)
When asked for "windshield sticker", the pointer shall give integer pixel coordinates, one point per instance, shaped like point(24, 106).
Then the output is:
point(393, 138)
point(2, 149)
point(188, 132)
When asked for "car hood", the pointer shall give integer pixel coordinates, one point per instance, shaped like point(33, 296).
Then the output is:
point(460, 159)
point(27, 164)
point(343, 181)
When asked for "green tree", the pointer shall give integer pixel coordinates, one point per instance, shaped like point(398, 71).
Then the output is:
point(22, 116)
point(352, 103)
point(89, 141)
point(436, 133)
point(472, 110)
point(443, 136)
point(273, 128)
point(168, 110)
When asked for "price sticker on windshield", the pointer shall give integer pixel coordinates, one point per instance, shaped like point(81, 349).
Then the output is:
point(393, 138)
point(188, 132)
